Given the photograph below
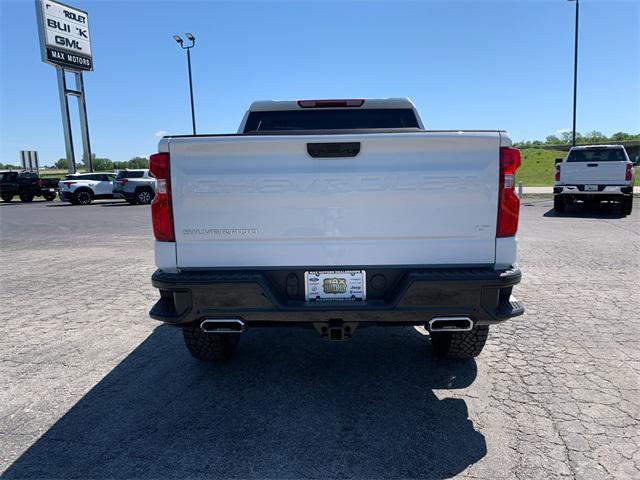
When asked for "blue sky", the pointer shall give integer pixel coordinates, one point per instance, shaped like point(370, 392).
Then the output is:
point(478, 64)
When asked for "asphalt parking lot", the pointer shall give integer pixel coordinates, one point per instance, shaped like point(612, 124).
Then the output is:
point(91, 387)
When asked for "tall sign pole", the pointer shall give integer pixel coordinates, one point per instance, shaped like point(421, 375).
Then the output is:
point(65, 43)
point(66, 120)
point(84, 123)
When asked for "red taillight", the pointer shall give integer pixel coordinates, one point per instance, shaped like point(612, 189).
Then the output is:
point(629, 175)
point(508, 201)
point(124, 181)
point(161, 209)
point(353, 102)
point(557, 172)
point(40, 183)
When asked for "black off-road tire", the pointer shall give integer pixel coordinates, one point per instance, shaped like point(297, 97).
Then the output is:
point(83, 197)
point(559, 204)
point(50, 198)
point(459, 344)
point(26, 197)
point(144, 196)
point(627, 205)
point(210, 347)
point(7, 198)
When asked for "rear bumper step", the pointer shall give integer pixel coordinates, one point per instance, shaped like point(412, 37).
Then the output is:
point(603, 191)
point(411, 296)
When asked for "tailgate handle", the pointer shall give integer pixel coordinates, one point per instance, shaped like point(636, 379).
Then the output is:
point(333, 150)
point(592, 164)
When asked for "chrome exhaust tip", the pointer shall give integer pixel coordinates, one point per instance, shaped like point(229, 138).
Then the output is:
point(222, 325)
point(450, 324)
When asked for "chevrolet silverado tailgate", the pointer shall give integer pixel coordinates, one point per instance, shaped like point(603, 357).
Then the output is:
point(597, 173)
point(597, 165)
point(425, 198)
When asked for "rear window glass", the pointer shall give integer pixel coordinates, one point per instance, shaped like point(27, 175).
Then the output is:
point(130, 174)
point(597, 155)
point(6, 176)
point(331, 119)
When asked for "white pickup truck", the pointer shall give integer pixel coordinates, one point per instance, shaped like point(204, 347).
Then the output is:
point(594, 173)
point(337, 214)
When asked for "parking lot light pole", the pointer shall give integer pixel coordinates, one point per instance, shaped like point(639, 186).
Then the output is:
point(188, 48)
point(575, 71)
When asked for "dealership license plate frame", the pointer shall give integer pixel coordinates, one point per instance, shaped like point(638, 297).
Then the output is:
point(355, 282)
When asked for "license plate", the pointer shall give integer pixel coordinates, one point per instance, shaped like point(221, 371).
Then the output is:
point(337, 285)
point(591, 188)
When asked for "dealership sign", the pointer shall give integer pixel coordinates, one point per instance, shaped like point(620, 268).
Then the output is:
point(64, 35)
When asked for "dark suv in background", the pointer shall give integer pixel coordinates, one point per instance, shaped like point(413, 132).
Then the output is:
point(135, 186)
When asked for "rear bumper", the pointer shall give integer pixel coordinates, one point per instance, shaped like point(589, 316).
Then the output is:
point(66, 195)
point(604, 192)
point(413, 297)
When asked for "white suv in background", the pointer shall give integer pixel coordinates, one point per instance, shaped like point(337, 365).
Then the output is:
point(83, 188)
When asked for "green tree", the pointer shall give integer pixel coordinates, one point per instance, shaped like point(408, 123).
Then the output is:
point(102, 164)
point(621, 136)
point(138, 162)
point(62, 164)
point(566, 136)
point(595, 137)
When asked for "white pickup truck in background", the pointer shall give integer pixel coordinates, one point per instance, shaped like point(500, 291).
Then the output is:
point(337, 214)
point(594, 173)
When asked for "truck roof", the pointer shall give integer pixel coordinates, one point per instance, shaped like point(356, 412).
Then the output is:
point(274, 105)
point(591, 147)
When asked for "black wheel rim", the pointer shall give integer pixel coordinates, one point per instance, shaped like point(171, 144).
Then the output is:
point(144, 197)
